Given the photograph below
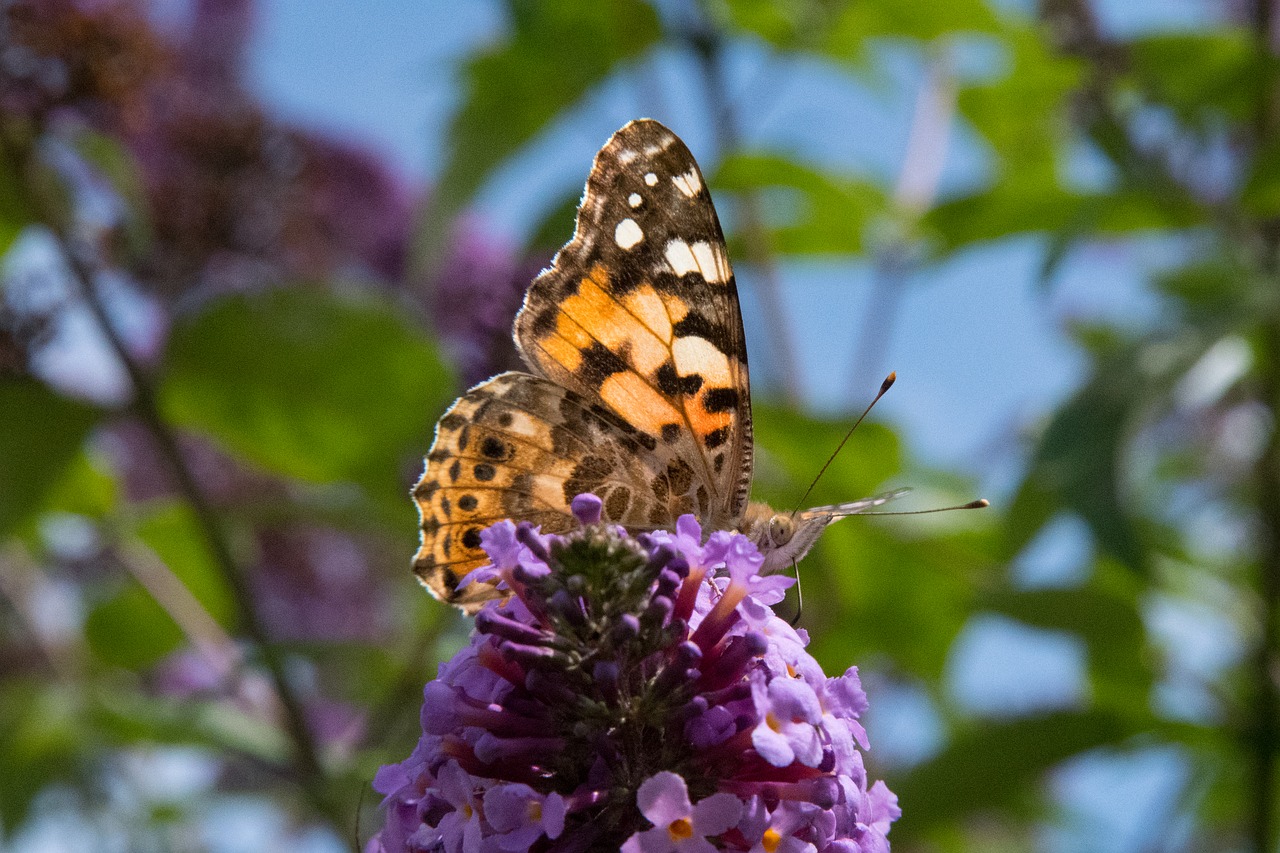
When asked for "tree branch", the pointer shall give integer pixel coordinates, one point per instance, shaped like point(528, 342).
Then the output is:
point(83, 266)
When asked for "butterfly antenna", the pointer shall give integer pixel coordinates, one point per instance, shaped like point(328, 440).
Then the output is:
point(884, 386)
point(795, 620)
point(980, 503)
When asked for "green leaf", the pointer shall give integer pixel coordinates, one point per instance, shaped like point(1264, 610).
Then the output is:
point(130, 717)
point(308, 384)
point(906, 585)
point(131, 630)
point(1031, 143)
point(791, 448)
point(842, 30)
point(1105, 617)
point(1022, 205)
point(890, 588)
point(1219, 289)
point(1011, 207)
point(556, 227)
point(555, 54)
point(1203, 76)
point(807, 211)
point(860, 21)
point(86, 488)
point(40, 434)
point(1079, 466)
point(994, 766)
point(1023, 114)
point(1026, 141)
point(1261, 193)
point(172, 533)
point(787, 25)
point(43, 737)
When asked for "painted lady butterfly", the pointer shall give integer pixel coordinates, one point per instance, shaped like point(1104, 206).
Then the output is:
point(637, 391)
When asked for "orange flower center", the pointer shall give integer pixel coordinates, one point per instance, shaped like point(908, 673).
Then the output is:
point(680, 829)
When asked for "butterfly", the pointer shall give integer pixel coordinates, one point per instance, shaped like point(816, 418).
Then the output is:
point(637, 389)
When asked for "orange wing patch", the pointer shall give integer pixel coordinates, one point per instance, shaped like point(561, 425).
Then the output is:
point(640, 311)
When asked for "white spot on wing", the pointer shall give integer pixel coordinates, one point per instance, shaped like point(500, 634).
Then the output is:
point(634, 199)
point(693, 354)
point(689, 183)
point(524, 426)
point(651, 179)
point(711, 262)
point(627, 155)
point(628, 233)
point(705, 258)
point(681, 258)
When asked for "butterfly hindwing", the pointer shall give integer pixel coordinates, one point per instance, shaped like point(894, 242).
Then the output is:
point(522, 447)
point(639, 312)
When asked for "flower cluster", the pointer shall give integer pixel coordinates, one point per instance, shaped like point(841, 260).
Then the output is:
point(636, 694)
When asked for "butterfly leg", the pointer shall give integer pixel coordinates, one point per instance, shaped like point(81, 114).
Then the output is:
point(795, 620)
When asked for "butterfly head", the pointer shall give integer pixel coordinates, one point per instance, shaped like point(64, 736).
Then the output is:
point(782, 537)
point(785, 537)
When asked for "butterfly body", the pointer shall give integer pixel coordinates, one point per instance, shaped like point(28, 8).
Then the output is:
point(638, 390)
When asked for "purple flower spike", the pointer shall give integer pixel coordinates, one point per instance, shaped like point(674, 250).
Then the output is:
point(621, 674)
point(586, 508)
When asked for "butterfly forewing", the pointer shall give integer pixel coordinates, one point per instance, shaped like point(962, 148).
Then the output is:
point(639, 312)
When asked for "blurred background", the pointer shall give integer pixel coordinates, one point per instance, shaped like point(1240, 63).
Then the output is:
point(249, 251)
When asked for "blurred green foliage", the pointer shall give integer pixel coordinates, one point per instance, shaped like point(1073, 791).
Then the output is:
point(306, 404)
point(293, 380)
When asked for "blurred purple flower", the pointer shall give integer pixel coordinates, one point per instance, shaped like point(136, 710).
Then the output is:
point(474, 300)
point(145, 475)
point(238, 200)
point(212, 53)
point(313, 583)
point(96, 57)
point(621, 698)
